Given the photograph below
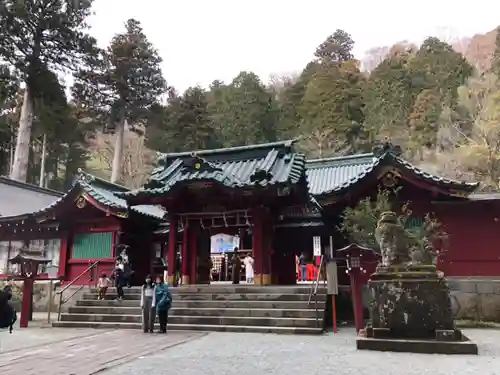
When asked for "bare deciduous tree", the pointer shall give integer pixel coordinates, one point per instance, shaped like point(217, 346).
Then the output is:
point(137, 160)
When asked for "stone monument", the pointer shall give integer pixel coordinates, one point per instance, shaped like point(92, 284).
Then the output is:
point(411, 307)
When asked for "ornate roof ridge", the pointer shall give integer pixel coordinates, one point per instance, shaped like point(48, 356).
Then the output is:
point(227, 150)
point(89, 178)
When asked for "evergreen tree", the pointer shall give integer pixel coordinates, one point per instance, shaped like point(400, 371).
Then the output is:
point(37, 37)
point(243, 112)
point(128, 84)
point(388, 97)
point(332, 109)
point(438, 67)
point(337, 48)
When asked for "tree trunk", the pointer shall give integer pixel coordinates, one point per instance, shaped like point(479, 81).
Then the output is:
point(118, 151)
point(43, 161)
point(21, 155)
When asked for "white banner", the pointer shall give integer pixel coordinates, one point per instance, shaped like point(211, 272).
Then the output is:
point(317, 246)
point(332, 282)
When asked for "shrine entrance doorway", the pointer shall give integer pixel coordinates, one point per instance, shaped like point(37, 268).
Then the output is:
point(209, 242)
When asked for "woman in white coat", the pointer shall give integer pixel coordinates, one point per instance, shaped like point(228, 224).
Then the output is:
point(248, 262)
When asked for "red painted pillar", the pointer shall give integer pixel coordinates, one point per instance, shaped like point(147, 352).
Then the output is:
point(26, 301)
point(185, 255)
point(193, 253)
point(266, 250)
point(357, 299)
point(171, 245)
point(63, 256)
point(257, 245)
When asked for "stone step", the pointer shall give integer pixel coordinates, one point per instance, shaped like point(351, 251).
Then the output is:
point(199, 320)
point(189, 327)
point(219, 304)
point(228, 289)
point(230, 312)
point(218, 297)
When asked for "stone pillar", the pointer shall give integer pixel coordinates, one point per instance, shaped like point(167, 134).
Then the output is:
point(193, 253)
point(185, 255)
point(171, 247)
point(257, 233)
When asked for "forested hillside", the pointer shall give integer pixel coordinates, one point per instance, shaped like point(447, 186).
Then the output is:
point(440, 105)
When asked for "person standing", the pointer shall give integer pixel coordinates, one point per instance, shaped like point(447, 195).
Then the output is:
point(162, 301)
point(148, 311)
point(236, 263)
point(303, 267)
point(119, 277)
point(248, 262)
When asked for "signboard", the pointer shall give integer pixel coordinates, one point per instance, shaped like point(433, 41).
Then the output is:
point(223, 243)
point(317, 246)
point(332, 283)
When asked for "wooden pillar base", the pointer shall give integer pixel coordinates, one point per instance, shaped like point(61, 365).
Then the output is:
point(266, 279)
point(257, 279)
point(170, 280)
point(185, 280)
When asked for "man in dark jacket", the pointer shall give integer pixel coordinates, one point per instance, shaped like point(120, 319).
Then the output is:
point(8, 315)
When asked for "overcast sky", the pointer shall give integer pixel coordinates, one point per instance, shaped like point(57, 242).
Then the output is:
point(203, 40)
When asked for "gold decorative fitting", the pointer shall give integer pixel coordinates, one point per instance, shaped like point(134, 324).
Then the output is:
point(389, 179)
point(197, 165)
point(81, 202)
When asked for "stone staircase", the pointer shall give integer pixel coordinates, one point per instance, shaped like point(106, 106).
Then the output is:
point(244, 308)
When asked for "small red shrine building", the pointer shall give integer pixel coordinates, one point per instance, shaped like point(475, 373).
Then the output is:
point(81, 227)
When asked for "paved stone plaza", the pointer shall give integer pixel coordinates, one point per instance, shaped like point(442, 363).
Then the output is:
point(121, 352)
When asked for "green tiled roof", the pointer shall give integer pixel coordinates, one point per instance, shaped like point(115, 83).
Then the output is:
point(332, 175)
point(103, 192)
point(236, 167)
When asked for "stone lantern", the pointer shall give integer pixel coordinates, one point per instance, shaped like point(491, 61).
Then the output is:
point(29, 262)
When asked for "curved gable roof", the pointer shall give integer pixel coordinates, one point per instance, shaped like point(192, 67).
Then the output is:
point(235, 167)
point(333, 175)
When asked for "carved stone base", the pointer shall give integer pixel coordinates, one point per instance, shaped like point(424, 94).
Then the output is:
point(409, 302)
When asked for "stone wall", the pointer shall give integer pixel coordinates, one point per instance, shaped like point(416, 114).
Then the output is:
point(475, 298)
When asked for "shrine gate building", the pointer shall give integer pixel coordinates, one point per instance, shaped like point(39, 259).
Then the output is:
point(273, 199)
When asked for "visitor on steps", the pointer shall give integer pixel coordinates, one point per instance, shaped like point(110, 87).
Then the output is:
point(303, 267)
point(162, 301)
point(236, 262)
point(248, 262)
point(119, 277)
point(148, 311)
point(102, 285)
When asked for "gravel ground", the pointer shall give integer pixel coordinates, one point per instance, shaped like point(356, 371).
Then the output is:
point(249, 354)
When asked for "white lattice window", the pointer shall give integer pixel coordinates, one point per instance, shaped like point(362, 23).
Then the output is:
point(50, 248)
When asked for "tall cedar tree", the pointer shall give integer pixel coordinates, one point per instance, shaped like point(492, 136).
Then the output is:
point(243, 112)
point(337, 48)
point(9, 86)
point(387, 96)
point(436, 66)
point(128, 84)
point(331, 111)
point(183, 124)
point(36, 37)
